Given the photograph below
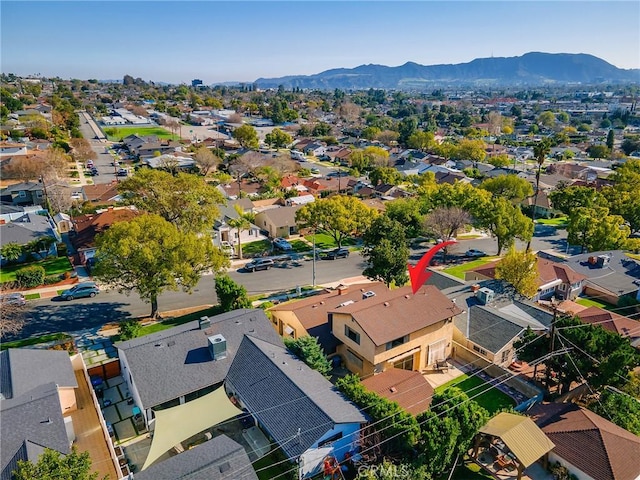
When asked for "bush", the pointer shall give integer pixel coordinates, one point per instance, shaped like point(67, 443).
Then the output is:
point(62, 249)
point(29, 277)
point(50, 279)
point(129, 329)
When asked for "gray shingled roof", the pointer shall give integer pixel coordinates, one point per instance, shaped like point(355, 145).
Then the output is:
point(175, 362)
point(443, 280)
point(293, 403)
point(24, 369)
point(28, 423)
point(620, 277)
point(29, 227)
point(218, 459)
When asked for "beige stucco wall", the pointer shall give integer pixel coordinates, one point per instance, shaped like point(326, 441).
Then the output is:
point(68, 401)
point(376, 358)
point(287, 319)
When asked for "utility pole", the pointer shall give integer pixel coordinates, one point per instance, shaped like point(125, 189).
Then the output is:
point(313, 274)
point(551, 343)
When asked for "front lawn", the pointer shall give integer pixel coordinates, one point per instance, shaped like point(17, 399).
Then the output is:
point(274, 465)
point(52, 266)
point(491, 398)
point(122, 132)
point(256, 248)
point(27, 342)
point(325, 241)
point(560, 222)
point(300, 246)
point(458, 270)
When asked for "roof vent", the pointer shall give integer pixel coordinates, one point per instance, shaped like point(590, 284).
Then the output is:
point(406, 296)
point(171, 343)
point(368, 294)
point(344, 304)
point(204, 322)
point(386, 304)
point(393, 389)
point(217, 347)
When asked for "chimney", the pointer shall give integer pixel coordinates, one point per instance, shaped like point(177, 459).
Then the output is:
point(2, 222)
point(217, 347)
point(343, 290)
point(110, 208)
point(204, 322)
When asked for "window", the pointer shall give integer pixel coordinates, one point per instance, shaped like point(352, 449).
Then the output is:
point(405, 363)
point(351, 334)
point(329, 440)
point(481, 351)
point(397, 342)
point(437, 351)
point(22, 194)
point(505, 356)
point(39, 193)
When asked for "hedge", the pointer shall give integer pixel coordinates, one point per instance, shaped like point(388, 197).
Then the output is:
point(29, 277)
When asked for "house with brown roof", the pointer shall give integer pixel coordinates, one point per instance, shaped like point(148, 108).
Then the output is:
point(86, 227)
point(554, 279)
point(278, 221)
point(589, 446)
point(310, 316)
point(611, 321)
point(407, 388)
point(394, 329)
point(101, 193)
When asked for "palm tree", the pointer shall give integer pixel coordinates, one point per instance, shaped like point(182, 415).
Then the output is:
point(540, 151)
point(242, 222)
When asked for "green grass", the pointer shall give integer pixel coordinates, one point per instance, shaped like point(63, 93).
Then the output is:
point(587, 302)
point(468, 471)
point(325, 241)
point(34, 341)
point(256, 248)
point(300, 246)
point(492, 399)
point(173, 322)
point(32, 296)
point(274, 467)
point(121, 132)
point(458, 270)
point(555, 222)
point(52, 266)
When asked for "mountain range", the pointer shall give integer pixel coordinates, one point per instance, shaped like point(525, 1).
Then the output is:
point(530, 69)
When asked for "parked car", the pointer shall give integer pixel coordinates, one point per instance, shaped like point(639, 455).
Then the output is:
point(315, 170)
point(122, 172)
point(13, 299)
point(341, 252)
point(475, 253)
point(282, 244)
point(81, 290)
point(259, 264)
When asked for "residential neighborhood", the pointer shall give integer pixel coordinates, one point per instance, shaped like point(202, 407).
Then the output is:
point(217, 281)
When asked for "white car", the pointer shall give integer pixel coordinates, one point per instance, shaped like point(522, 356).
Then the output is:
point(76, 196)
point(475, 253)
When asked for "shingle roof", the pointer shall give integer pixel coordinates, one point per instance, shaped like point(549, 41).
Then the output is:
point(29, 421)
point(442, 280)
point(26, 369)
point(620, 277)
point(29, 227)
point(281, 216)
point(396, 313)
point(174, 362)
point(611, 321)
point(598, 447)
point(293, 403)
point(218, 459)
point(491, 329)
point(88, 226)
point(408, 388)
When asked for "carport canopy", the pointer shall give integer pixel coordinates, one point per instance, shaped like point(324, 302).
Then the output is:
point(521, 435)
point(176, 424)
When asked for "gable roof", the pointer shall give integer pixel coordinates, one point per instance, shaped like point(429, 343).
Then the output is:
point(407, 388)
point(281, 216)
point(295, 404)
point(29, 424)
point(623, 326)
point(598, 447)
point(25, 229)
point(313, 312)
point(101, 192)
point(175, 362)
point(90, 225)
point(24, 369)
point(218, 459)
point(396, 313)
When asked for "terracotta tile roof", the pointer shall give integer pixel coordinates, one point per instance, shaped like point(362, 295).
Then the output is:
point(88, 226)
point(101, 192)
point(548, 271)
point(598, 447)
point(569, 306)
point(408, 388)
point(611, 321)
point(396, 313)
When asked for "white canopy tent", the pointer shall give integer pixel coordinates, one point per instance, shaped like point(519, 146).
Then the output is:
point(174, 425)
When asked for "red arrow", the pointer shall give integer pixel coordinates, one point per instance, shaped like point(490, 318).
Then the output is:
point(419, 273)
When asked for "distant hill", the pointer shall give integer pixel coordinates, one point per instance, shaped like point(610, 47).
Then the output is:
point(530, 69)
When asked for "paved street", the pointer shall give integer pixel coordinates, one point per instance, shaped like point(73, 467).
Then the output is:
point(103, 163)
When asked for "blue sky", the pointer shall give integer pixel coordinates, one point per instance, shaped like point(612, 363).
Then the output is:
point(242, 40)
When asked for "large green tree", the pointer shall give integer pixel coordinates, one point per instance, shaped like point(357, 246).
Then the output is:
point(622, 197)
point(567, 198)
point(407, 212)
point(386, 252)
point(185, 200)
point(621, 409)
point(52, 465)
point(531, 346)
point(594, 229)
point(505, 222)
point(278, 138)
point(247, 136)
point(338, 216)
point(150, 255)
point(519, 269)
point(511, 187)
